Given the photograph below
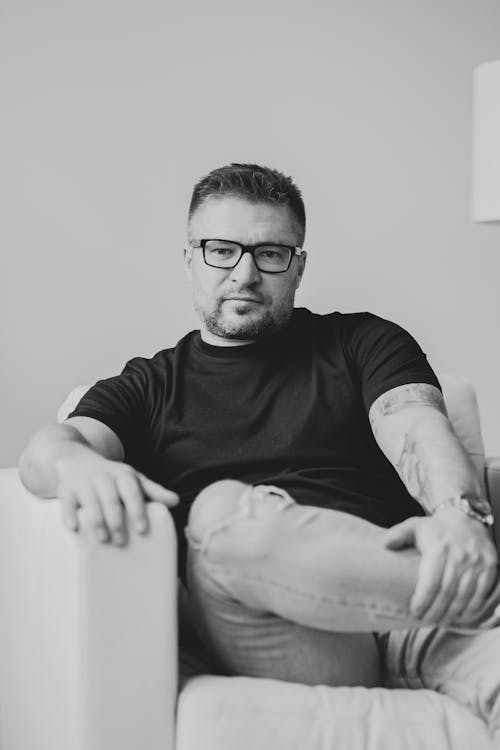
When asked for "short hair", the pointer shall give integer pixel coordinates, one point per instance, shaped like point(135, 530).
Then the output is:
point(254, 183)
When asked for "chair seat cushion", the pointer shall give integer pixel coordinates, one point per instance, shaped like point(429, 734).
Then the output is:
point(224, 713)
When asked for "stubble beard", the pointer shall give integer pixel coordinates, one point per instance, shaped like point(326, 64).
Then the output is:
point(217, 323)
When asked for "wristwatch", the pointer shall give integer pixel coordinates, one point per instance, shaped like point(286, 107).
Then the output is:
point(476, 508)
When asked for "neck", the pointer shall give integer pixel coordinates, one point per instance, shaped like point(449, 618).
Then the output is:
point(212, 338)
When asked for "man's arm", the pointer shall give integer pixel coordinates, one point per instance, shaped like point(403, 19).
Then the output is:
point(76, 437)
point(411, 426)
point(459, 561)
point(80, 462)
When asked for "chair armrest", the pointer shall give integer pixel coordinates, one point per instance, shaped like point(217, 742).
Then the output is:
point(88, 632)
point(492, 478)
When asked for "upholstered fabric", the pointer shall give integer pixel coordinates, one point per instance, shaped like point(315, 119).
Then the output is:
point(88, 652)
point(88, 632)
point(224, 713)
point(463, 412)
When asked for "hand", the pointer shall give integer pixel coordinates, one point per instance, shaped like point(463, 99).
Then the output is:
point(458, 567)
point(106, 489)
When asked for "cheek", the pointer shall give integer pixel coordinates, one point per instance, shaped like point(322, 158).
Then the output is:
point(205, 285)
point(281, 293)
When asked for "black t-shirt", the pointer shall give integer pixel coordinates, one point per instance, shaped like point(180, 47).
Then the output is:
point(290, 410)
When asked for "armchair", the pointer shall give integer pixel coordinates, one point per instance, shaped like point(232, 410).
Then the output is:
point(88, 648)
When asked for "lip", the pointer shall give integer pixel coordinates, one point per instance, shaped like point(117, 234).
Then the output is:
point(244, 299)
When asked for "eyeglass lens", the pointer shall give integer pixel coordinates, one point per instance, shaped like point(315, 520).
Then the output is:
point(227, 254)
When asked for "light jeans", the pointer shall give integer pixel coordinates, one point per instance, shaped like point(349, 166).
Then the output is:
point(311, 595)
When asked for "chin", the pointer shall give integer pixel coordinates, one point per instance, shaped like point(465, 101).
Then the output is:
point(241, 326)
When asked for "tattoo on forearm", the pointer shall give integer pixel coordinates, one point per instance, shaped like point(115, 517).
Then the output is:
point(404, 396)
point(424, 462)
point(414, 394)
point(414, 473)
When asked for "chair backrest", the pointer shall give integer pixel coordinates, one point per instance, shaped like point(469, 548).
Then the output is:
point(463, 412)
point(71, 401)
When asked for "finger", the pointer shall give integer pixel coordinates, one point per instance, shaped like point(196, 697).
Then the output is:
point(113, 511)
point(401, 535)
point(69, 508)
point(130, 490)
point(482, 588)
point(428, 585)
point(87, 498)
point(456, 589)
point(158, 493)
point(444, 595)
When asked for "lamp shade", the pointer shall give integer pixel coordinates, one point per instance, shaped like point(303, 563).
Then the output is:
point(486, 128)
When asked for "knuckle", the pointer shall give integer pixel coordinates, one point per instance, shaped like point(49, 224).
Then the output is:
point(138, 511)
point(437, 552)
point(96, 518)
point(115, 526)
point(128, 479)
point(110, 501)
point(132, 495)
point(94, 515)
point(459, 557)
point(475, 559)
point(127, 471)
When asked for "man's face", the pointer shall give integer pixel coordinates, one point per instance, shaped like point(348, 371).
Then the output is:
point(242, 303)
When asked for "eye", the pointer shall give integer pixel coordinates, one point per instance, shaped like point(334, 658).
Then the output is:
point(221, 249)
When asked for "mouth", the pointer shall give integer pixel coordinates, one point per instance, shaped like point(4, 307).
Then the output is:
point(255, 300)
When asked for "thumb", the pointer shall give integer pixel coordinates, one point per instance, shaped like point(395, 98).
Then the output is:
point(156, 492)
point(401, 535)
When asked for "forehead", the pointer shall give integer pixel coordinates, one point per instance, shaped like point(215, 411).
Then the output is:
point(237, 219)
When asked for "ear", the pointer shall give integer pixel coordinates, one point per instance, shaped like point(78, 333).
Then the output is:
point(301, 268)
point(188, 259)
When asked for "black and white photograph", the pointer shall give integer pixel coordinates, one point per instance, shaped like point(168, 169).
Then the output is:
point(250, 400)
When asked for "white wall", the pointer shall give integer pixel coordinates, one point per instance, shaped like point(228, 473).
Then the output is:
point(112, 110)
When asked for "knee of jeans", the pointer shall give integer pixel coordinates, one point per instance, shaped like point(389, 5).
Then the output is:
point(214, 504)
point(217, 514)
point(214, 508)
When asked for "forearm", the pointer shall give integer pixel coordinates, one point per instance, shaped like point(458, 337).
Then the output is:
point(39, 461)
point(433, 464)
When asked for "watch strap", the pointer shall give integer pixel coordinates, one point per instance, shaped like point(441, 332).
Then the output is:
point(478, 509)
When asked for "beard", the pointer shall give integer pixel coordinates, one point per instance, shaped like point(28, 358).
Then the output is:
point(241, 325)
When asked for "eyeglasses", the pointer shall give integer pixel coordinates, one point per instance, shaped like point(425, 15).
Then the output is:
point(269, 257)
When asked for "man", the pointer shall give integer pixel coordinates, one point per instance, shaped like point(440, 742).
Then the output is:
point(285, 443)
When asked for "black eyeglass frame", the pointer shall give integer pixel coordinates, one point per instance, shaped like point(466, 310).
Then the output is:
point(294, 250)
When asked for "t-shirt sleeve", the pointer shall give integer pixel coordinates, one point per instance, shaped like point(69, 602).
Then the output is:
point(120, 402)
point(384, 356)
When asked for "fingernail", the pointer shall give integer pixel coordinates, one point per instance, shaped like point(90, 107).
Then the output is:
point(118, 538)
point(141, 526)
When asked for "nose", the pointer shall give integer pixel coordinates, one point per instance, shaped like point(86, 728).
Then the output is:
point(245, 271)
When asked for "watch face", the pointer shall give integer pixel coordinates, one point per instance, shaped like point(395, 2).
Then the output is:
point(479, 506)
point(480, 510)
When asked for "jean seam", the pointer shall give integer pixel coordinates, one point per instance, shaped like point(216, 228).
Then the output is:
point(373, 607)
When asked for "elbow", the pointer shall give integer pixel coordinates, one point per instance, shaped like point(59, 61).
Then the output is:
point(27, 469)
point(29, 465)
point(35, 461)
